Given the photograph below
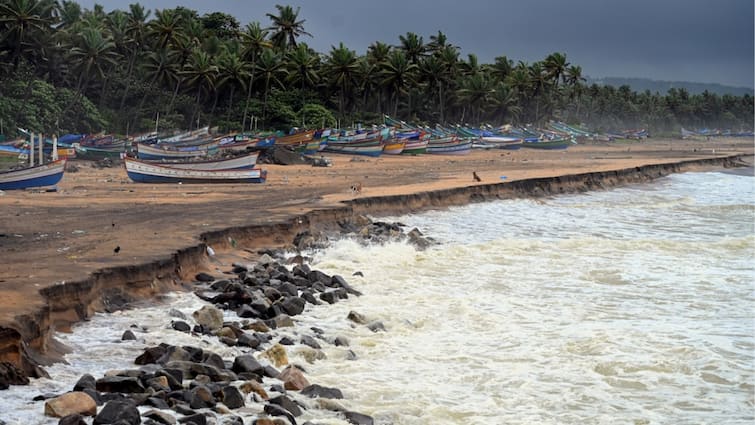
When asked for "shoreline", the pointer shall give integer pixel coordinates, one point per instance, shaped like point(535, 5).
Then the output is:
point(26, 340)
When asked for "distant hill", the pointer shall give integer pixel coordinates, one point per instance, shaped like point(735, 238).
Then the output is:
point(642, 84)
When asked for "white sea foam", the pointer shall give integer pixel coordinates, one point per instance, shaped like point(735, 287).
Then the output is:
point(625, 306)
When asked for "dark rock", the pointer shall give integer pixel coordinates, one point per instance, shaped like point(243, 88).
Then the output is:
point(275, 410)
point(157, 403)
point(119, 384)
point(128, 336)
point(358, 418)
point(197, 419)
point(358, 273)
point(246, 340)
point(11, 375)
point(46, 396)
point(309, 297)
point(376, 326)
point(308, 340)
point(357, 317)
point(233, 420)
point(246, 363)
point(301, 270)
point(289, 289)
point(118, 411)
point(204, 277)
point(183, 409)
point(175, 377)
point(96, 396)
point(178, 314)
point(232, 397)
point(228, 341)
point(181, 326)
point(316, 390)
point(247, 311)
point(74, 419)
point(288, 404)
point(270, 372)
point(351, 355)
point(150, 355)
point(160, 417)
point(293, 305)
point(341, 341)
point(213, 359)
point(318, 276)
point(286, 341)
point(86, 381)
point(201, 397)
point(332, 296)
point(339, 281)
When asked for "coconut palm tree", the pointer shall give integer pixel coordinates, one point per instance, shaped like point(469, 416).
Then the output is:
point(413, 46)
point(272, 68)
point(555, 66)
point(165, 28)
point(232, 72)
point(201, 73)
point(342, 67)
point(434, 73)
point(504, 100)
point(286, 27)
point(136, 32)
point(254, 39)
point(303, 63)
point(476, 91)
point(20, 19)
point(398, 73)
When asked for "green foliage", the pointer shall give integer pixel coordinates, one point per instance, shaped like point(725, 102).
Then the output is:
point(317, 116)
point(65, 68)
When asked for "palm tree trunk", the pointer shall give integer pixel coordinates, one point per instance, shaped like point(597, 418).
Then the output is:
point(440, 102)
point(128, 84)
point(230, 104)
point(264, 103)
point(196, 107)
point(248, 93)
point(173, 98)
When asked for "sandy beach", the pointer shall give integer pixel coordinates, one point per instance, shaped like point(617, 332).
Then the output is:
point(98, 218)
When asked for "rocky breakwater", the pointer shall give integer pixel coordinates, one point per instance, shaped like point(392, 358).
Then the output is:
point(251, 310)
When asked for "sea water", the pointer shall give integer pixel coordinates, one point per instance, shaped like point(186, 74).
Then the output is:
point(630, 306)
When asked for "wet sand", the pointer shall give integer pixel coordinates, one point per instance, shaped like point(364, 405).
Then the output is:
point(98, 218)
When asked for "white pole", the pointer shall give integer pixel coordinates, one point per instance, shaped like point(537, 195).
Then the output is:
point(31, 149)
point(41, 146)
point(54, 147)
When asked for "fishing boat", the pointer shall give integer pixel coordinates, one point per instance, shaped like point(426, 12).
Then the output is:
point(244, 162)
point(501, 142)
point(371, 147)
point(96, 154)
point(38, 176)
point(146, 172)
point(394, 147)
point(450, 145)
point(295, 139)
point(548, 144)
point(156, 152)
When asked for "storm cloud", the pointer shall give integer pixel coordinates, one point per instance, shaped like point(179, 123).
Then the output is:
point(679, 40)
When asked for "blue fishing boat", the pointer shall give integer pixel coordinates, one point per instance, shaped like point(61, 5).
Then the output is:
point(38, 176)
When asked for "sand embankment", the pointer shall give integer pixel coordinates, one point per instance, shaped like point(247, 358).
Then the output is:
point(58, 259)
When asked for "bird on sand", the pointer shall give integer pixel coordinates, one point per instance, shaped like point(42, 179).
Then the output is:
point(476, 177)
point(117, 249)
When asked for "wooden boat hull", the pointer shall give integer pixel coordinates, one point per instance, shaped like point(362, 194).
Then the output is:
point(415, 147)
point(94, 154)
point(150, 152)
point(145, 172)
point(41, 175)
point(394, 148)
point(551, 144)
point(246, 162)
point(449, 146)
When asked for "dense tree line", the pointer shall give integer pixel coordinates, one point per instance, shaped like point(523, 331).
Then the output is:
point(68, 69)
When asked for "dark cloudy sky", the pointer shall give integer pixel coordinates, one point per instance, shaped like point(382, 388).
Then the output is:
point(680, 40)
